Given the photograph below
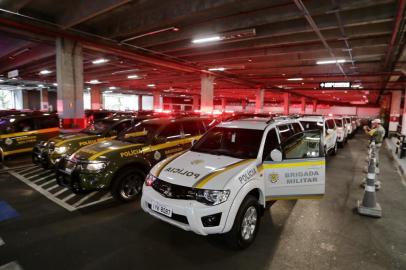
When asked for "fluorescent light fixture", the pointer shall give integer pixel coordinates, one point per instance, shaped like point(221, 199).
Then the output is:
point(107, 92)
point(151, 85)
point(217, 69)
point(45, 72)
point(94, 81)
point(112, 88)
point(88, 88)
point(1, 80)
point(295, 79)
point(132, 76)
point(326, 62)
point(55, 84)
point(100, 61)
point(40, 85)
point(206, 39)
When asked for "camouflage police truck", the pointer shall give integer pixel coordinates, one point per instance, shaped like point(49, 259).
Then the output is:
point(20, 132)
point(121, 165)
point(48, 153)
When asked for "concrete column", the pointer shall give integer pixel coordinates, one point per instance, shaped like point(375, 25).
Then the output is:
point(26, 100)
point(44, 99)
point(139, 102)
point(244, 105)
point(196, 102)
point(314, 105)
point(223, 103)
point(395, 111)
point(303, 105)
point(206, 93)
point(69, 69)
point(404, 116)
point(157, 101)
point(259, 100)
point(96, 98)
point(286, 103)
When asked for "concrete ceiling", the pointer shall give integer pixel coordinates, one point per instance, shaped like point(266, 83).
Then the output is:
point(290, 36)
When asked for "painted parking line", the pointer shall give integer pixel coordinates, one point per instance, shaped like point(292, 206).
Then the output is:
point(44, 181)
point(14, 265)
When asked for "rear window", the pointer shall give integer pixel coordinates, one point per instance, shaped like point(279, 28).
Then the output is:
point(312, 125)
point(339, 122)
point(285, 132)
point(331, 124)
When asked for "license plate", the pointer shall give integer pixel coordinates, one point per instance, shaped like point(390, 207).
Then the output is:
point(162, 209)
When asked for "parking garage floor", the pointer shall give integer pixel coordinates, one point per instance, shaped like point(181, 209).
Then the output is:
point(36, 232)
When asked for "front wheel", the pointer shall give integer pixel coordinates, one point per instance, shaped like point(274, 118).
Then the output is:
point(128, 185)
point(246, 224)
point(335, 149)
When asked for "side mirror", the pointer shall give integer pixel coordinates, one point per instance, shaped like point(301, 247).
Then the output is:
point(276, 155)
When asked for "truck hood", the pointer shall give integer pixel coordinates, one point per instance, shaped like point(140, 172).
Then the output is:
point(102, 150)
point(65, 138)
point(200, 170)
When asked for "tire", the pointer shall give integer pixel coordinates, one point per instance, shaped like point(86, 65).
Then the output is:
point(335, 149)
point(127, 186)
point(242, 235)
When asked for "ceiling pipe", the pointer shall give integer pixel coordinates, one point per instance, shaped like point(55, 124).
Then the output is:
point(301, 6)
point(397, 32)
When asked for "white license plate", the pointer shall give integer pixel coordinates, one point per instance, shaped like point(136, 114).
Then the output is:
point(68, 170)
point(162, 209)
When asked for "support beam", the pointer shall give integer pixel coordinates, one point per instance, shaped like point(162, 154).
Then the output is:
point(223, 104)
point(86, 10)
point(286, 103)
point(259, 100)
point(303, 105)
point(395, 111)
point(196, 102)
point(44, 99)
point(157, 101)
point(244, 105)
point(314, 106)
point(96, 98)
point(206, 93)
point(404, 116)
point(139, 102)
point(69, 66)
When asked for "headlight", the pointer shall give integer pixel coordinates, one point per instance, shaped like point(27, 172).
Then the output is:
point(212, 197)
point(94, 166)
point(149, 180)
point(60, 149)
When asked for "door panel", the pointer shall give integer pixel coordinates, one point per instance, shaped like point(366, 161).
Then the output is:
point(301, 173)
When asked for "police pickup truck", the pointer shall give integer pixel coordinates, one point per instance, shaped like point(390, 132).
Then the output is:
point(48, 153)
point(222, 185)
point(121, 165)
point(329, 131)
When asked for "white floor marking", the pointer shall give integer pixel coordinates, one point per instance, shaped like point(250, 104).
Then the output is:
point(95, 202)
point(48, 182)
point(44, 175)
point(40, 179)
point(60, 192)
point(35, 170)
point(69, 197)
point(53, 187)
point(14, 265)
point(43, 192)
point(2, 243)
point(84, 198)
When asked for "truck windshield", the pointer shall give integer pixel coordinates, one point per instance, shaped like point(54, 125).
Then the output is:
point(339, 122)
point(312, 125)
point(5, 126)
point(140, 133)
point(234, 142)
point(99, 127)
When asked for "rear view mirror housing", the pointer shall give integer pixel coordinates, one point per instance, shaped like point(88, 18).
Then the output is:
point(276, 155)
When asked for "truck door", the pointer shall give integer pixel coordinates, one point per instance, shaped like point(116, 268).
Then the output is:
point(300, 171)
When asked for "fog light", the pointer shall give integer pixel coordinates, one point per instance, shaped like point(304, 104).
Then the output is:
point(212, 220)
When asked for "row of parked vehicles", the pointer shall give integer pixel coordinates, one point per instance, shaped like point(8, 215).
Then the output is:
point(198, 173)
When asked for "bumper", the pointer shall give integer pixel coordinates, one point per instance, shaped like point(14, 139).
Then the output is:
point(42, 156)
point(186, 214)
point(85, 181)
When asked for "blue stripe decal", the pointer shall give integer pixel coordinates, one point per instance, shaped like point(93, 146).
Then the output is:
point(7, 212)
